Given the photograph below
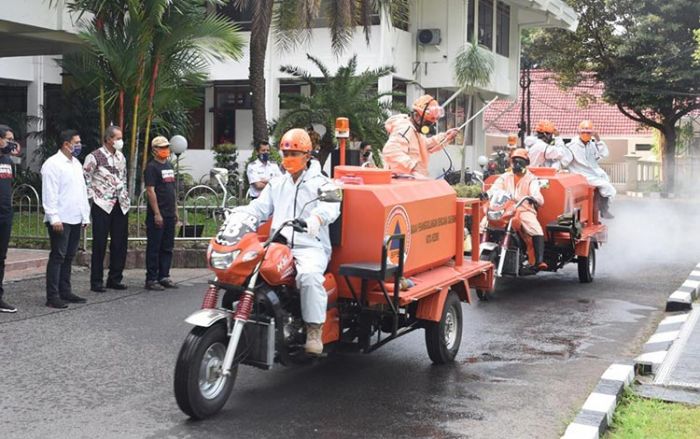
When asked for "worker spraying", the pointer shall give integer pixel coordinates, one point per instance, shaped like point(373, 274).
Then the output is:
point(546, 148)
point(586, 150)
point(408, 148)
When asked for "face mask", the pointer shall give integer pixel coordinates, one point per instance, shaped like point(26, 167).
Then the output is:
point(293, 164)
point(518, 166)
point(162, 153)
point(586, 137)
point(10, 147)
point(366, 154)
point(428, 130)
point(264, 157)
point(118, 144)
point(76, 149)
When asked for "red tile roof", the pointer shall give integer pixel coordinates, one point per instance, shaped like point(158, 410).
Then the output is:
point(563, 107)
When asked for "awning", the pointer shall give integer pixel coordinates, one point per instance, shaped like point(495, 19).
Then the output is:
point(23, 40)
point(546, 13)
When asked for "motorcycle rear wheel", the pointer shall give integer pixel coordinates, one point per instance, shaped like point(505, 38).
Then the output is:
point(200, 388)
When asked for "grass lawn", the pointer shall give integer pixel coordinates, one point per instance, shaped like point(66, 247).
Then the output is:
point(638, 417)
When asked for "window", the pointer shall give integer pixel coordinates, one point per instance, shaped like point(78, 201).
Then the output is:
point(196, 136)
point(643, 147)
point(229, 99)
point(503, 29)
point(399, 87)
point(244, 18)
point(470, 20)
point(288, 89)
point(455, 112)
point(13, 99)
point(486, 23)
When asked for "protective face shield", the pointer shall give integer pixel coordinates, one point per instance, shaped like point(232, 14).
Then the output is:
point(519, 165)
point(118, 144)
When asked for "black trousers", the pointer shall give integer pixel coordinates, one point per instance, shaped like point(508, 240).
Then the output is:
point(159, 248)
point(5, 231)
point(115, 225)
point(64, 245)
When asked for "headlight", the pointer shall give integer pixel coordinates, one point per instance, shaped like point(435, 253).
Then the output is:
point(222, 260)
point(494, 215)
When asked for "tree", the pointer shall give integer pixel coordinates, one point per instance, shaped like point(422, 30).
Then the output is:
point(152, 51)
point(346, 93)
point(292, 22)
point(641, 51)
point(473, 68)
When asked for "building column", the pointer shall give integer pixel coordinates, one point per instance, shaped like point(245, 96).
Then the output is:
point(209, 105)
point(35, 102)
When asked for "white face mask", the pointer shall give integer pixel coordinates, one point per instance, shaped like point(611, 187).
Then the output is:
point(119, 144)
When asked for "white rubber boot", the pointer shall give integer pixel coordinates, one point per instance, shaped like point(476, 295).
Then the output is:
point(314, 342)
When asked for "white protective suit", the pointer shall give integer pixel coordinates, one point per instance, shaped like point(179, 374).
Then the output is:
point(585, 162)
point(284, 200)
point(544, 155)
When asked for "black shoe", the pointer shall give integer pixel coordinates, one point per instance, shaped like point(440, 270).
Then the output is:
point(56, 303)
point(154, 286)
point(6, 307)
point(98, 288)
point(72, 298)
point(168, 283)
point(116, 286)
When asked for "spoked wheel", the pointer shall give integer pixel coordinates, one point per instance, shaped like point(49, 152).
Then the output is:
point(201, 389)
point(444, 337)
point(586, 266)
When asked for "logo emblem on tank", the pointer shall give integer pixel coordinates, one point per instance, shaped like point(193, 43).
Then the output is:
point(397, 223)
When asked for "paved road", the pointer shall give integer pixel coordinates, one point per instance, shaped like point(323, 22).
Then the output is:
point(529, 357)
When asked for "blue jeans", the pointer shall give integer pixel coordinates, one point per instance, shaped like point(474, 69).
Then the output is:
point(159, 248)
point(64, 245)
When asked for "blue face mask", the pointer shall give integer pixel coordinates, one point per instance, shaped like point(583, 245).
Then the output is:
point(76, 149)
point(265, 157)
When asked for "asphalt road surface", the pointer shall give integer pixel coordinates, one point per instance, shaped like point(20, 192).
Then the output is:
point(528, 359)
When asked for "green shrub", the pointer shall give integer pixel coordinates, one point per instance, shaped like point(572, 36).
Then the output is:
point(468, 190)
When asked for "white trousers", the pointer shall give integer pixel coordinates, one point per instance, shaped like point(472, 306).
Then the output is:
point(311, 263)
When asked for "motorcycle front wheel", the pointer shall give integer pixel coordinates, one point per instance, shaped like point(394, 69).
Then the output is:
point(201, 390)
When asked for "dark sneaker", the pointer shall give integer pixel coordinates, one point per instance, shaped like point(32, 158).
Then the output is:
point(168, 283)
point(154, 286)
point(56, 303)
point(116, 286)
point(98, 288)
point(72, 298)
point(6, 307)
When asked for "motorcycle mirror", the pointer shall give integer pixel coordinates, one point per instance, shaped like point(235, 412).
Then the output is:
point(330, 193)
point(482, 160)
point(544, 183)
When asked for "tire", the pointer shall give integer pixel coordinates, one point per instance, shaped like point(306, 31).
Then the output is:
point(491, 256)
point(203, 346)
point(586, 266)
point(444, 337)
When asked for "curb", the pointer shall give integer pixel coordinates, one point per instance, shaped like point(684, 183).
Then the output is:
point(596, 414)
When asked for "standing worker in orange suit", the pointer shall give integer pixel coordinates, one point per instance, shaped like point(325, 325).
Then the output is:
point(408, 149)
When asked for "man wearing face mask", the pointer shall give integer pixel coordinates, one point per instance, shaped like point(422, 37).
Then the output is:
point(587, 149)
point(261, 170)
point(66, 210)
point(8, 147)
point(161, 216)
point(520, 183)
point(546, 148)
point(366, 155)
point(285, 198)
point(105, 177)
point(408, 148)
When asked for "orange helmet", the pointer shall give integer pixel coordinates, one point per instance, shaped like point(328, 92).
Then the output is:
point(428, 108)
point(545, 126)
point(296, 139)
point(585, 125)
point(512, 140)
point(520, 153)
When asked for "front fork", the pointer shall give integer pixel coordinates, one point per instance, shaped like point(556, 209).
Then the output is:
point(245, 305)
point(504, 249)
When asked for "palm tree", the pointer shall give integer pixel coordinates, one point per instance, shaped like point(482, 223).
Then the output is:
point(292, 22)
point(473, 68)
point(149, 50)
point(346, 93)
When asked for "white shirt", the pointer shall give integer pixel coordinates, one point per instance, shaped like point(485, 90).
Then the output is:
point(258, 171)
point(64, 192)
point(545, 155)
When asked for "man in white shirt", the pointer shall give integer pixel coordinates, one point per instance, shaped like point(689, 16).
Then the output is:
point(105, 177)
point(66, 211)
point(546, 148)
point(261, 170)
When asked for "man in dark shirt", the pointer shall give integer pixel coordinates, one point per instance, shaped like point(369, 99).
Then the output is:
point(7, 146)
point(161, 217)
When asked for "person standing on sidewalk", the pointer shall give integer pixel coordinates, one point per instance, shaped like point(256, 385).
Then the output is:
point(7, 146)
point(105, 177)
point(261, 170)
point(67, 210)
point(161, 216)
